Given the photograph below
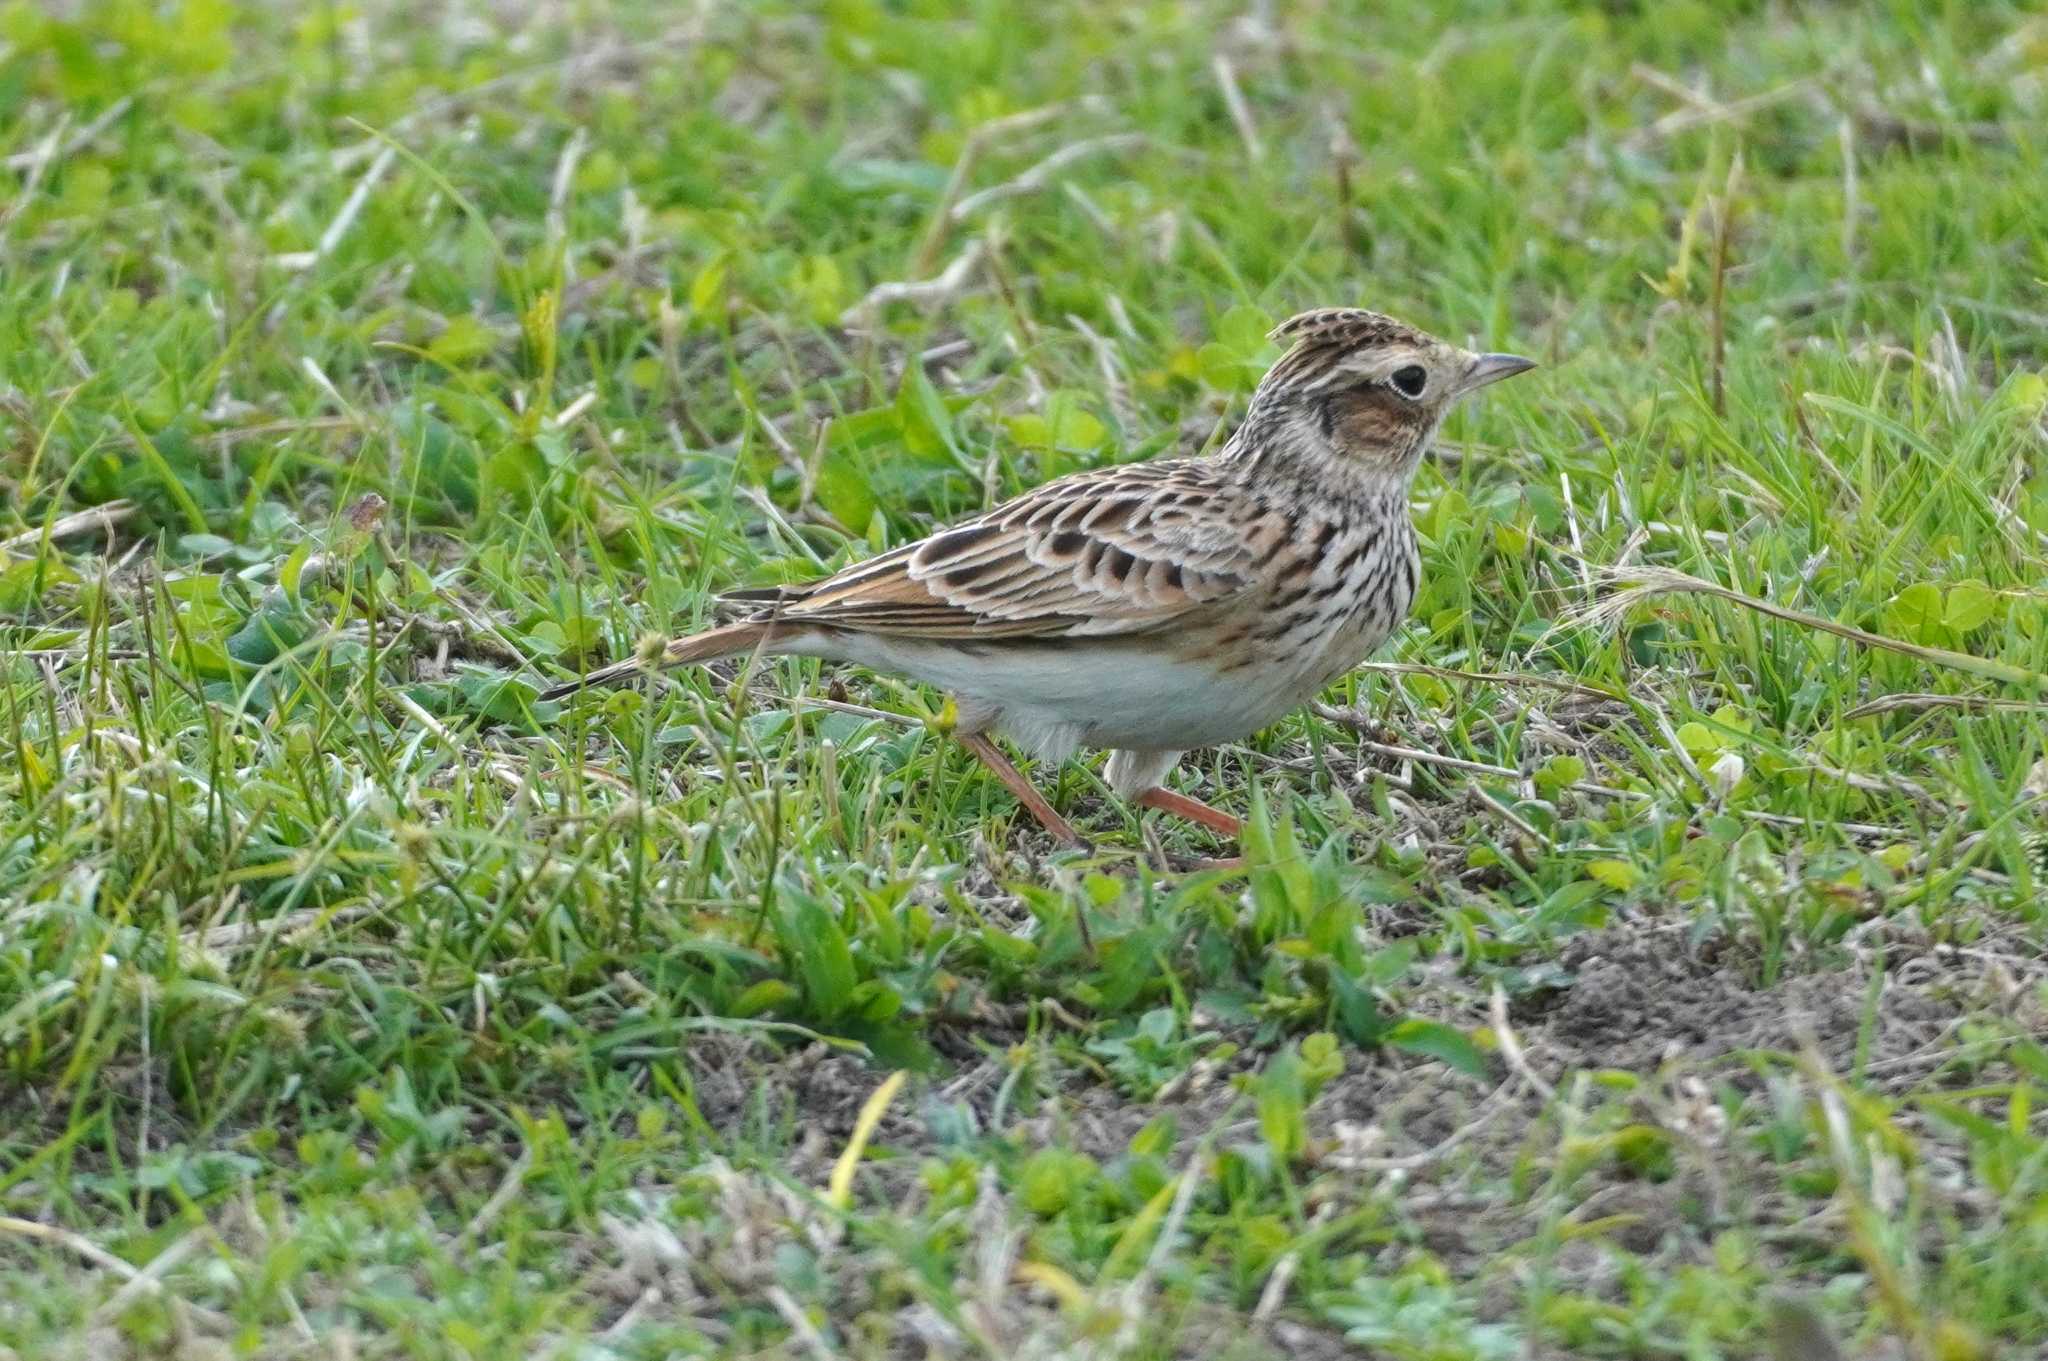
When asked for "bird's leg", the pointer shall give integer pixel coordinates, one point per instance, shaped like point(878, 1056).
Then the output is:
point(1191, 808)
point(1194, 810)
point(1014, 781)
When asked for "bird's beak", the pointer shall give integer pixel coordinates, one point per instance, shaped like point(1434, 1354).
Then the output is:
point(1491, 368)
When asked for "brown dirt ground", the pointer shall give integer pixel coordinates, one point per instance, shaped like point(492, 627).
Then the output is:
point(1690, 1025)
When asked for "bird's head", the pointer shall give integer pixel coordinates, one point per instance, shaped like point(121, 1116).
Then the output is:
point(1369, 389)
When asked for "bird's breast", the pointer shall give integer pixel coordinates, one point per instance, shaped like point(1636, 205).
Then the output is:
point(1342, 588)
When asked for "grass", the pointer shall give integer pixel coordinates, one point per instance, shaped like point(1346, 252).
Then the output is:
point(1619, 973)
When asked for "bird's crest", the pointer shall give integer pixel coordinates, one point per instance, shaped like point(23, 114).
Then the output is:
point(1350, 327)
point(1324, 337)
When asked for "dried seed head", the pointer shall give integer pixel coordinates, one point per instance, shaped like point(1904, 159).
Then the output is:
point(366, 513)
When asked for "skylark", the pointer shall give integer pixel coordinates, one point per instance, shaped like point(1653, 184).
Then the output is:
point(1153, 607)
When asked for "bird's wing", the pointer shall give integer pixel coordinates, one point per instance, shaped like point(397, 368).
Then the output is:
point(1095, 554)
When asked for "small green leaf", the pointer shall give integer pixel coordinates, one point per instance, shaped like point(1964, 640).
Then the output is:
point(821, 290)
point(205, 545)
point(1053, 1178)
point(505, 699)
point(815, 942)
point(1322, 1061)
point(1280, 1092)
point(267, 634)
point(2032, 1057)
point(294, 565)
point(517, 470)
point(447, 460)
point(1358, 1012)
point(1439, 1041)
point(1698, 739)
point(843, 487)
point(1243, 328)
point(2028, 394)
point(1914, 614)
point(707, 289)
point(462, 341)
point(923, 420)
point(1618, 875)
point(1451, 513)
point(1156, 1138)
point(1560, 772)
point(1225, 369)
point(1064, 424)
point(23, 583)
point(766, 995)
point(1969, 605)
point(875, 1001)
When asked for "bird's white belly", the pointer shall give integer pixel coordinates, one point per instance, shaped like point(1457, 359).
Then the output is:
point(1053, 699)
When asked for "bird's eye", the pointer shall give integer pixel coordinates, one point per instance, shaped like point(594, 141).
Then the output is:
point(1410, 381)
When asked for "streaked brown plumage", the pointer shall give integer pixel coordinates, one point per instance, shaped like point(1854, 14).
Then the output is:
point(1154, 607)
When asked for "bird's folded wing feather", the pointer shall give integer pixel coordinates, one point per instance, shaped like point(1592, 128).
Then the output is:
point(1095, 554)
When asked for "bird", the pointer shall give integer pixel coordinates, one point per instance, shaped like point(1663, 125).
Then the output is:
point(1154, 607)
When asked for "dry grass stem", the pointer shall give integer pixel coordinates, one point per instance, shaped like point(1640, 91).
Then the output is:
point(92, 520)
point(1637, 584)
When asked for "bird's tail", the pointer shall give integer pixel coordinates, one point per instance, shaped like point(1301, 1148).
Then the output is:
point(707, 646)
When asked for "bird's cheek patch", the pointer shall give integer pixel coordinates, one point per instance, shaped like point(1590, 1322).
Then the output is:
point(1372, 420)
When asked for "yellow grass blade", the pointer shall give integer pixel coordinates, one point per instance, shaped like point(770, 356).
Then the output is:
point(840, 1190)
